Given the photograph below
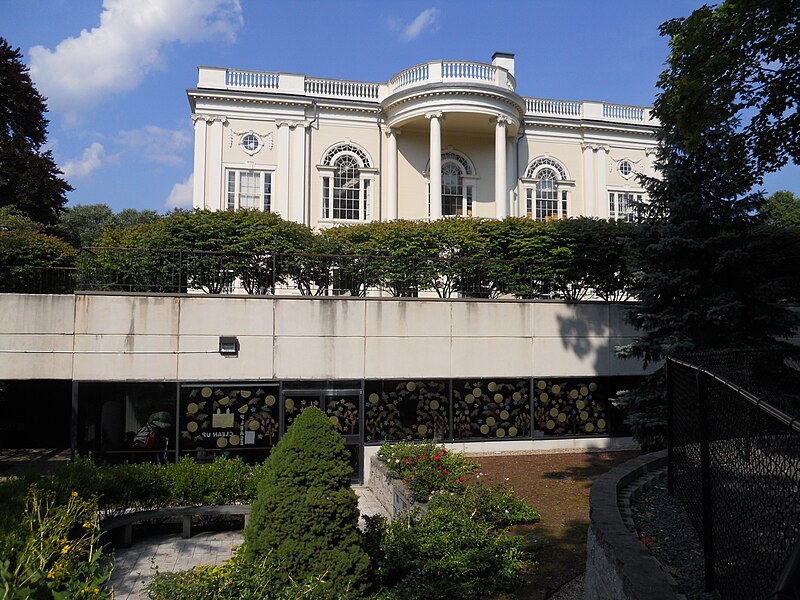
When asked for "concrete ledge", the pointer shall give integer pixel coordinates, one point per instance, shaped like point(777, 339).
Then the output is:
point(390, 491)
point(124, 523)
point(618, 565)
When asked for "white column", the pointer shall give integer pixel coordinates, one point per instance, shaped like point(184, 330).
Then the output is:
point(199, 177)
point(217, 199)
point(436, 165)
point(601, 193)
point(297, 173)
point(500, 185)
point(281, 191)
point(511, 183)
point(588, 181)
point(391, 175)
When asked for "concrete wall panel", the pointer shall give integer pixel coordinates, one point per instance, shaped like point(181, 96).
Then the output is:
point(37, 313)
point(200, 356)
point(399, 318)
point(319, 358)
point(390, 357)
point(226, 316)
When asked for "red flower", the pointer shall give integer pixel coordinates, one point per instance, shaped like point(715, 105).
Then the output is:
point(408, 460)
point(439, 467)
point(415, 459)
point(437, 457)
point(445, 471)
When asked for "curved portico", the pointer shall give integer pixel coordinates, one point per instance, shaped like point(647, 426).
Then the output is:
point(468, 97)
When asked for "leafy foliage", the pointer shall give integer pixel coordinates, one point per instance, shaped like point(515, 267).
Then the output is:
point(28, 260)
point(81, 225)
point(738, 61)
point(445, 553)
point(235, 579)
point(29, 178)
point(304, 522)
point(11, 218)
point(782, 209)
point(706, 277)
point(60, 555)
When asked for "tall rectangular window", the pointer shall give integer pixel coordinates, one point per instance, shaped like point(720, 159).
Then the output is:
point(249, 189)
point(622, 205)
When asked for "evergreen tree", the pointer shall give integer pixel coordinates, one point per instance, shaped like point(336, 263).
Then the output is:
point(706, 278)
point(29, 178)
point(305, 520)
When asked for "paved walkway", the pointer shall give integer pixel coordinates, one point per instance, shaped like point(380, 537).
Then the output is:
point(134, 566)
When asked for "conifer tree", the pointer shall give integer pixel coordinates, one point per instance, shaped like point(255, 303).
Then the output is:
point(29, 177)
point(305, 520)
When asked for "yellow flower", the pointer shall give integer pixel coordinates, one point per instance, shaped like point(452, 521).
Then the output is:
point(74, 494)
point(87, 525)
point(65, 549)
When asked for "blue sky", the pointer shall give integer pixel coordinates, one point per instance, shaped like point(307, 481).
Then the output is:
point(115, 71)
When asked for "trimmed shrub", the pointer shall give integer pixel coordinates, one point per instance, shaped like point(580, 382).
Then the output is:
point(305, 520)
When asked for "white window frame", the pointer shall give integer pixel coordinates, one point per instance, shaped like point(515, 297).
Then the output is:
point(620, 204)
point(232, 198)
point(366, 185)
point(563, 194)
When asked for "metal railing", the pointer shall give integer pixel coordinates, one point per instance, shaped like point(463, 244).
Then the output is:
point(266, 273)
point(734, 464)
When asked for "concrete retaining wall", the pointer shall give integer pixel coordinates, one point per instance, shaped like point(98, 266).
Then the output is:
point(137, 337)
point(618, 566)
point(391, 492)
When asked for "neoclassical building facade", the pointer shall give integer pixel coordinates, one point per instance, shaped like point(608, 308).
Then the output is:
point(445, 138)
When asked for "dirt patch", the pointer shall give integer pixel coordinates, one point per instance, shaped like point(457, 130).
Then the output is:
point(557, 485)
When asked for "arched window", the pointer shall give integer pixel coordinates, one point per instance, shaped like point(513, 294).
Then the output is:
point(458, 187)
point(345, 187)
point(546, 198)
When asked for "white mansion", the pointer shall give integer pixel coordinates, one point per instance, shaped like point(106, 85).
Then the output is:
point(439, 139)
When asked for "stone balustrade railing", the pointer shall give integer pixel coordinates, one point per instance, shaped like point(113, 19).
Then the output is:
point(441, 71)
point(446, 71)
point(620, 113)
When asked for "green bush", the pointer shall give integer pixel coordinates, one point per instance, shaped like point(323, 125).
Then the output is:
point(304, 522)
point(235, 579)
point(426, 468)
point(32, 262)
point(447, 553)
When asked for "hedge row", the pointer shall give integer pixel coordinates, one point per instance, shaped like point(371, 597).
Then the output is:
point(206, 250)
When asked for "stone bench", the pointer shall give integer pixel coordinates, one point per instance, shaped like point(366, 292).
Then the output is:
point(123, 524)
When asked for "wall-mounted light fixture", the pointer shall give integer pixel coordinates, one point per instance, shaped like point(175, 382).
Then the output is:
point(229, 345)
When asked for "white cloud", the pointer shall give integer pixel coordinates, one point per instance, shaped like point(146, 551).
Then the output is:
point(427, 19)
point(127, 45)
point(181, 194)
point(156, 144)
point(90, 160)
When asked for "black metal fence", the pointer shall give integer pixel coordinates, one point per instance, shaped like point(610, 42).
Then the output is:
point(181, 271)
point(734, 463)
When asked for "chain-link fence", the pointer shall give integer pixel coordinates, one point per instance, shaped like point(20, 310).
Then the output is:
point(734, 463)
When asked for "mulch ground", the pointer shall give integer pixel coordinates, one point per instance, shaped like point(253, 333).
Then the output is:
point(557, 485)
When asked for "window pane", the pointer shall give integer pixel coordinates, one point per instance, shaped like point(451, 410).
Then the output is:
point(267, 192)
point(546, 195)
point(452, 190)
point(249, 190)
point(231, 190)
point(346, 189)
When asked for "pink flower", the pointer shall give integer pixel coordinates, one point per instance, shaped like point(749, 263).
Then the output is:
point(408, 460)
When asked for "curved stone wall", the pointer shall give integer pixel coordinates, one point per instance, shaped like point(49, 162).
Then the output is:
point(618, 566)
